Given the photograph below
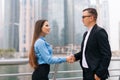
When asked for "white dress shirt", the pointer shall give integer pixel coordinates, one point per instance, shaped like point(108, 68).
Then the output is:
point(84, 62)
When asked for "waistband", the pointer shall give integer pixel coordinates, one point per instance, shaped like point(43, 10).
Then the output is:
point(43, 65)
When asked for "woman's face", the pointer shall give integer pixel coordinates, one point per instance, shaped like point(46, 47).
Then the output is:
point(45, 28)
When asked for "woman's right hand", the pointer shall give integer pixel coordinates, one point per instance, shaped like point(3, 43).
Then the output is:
point(70, 59)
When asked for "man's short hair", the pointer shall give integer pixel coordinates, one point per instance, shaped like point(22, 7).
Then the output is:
point(92, 11)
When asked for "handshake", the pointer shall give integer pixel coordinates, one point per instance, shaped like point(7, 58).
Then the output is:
point(70, 58)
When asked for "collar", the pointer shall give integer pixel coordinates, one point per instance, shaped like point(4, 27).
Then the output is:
point(43, 38)
point(89, 30)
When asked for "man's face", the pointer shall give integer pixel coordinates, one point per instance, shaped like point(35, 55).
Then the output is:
point(86, 18)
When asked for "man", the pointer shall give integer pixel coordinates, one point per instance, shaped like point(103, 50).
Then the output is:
point(95, 54)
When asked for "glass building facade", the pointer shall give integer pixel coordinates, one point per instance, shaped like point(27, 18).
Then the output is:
point(64, 17)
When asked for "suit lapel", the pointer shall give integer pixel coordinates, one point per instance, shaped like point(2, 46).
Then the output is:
point(91, 34)
point(83, 40)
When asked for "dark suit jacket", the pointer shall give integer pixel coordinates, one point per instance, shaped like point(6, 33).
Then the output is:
point(97, 52)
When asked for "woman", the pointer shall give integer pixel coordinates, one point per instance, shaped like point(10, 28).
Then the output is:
point(41, 52)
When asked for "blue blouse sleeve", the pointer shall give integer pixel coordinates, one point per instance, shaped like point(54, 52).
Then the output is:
point(46, 56)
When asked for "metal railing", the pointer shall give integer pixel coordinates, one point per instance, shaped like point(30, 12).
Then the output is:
point(25, 61)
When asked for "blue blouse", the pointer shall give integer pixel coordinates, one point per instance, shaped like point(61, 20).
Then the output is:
point(44, 52)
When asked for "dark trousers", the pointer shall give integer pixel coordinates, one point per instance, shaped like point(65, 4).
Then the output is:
point(41, 73)
point(88, 74)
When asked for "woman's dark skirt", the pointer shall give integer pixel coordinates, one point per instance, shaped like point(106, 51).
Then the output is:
point(41, 73)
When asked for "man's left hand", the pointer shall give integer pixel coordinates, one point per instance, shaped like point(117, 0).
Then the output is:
point(96, 77)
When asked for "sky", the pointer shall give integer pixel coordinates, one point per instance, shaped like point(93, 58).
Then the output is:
point(114, 12)
point(114, 24)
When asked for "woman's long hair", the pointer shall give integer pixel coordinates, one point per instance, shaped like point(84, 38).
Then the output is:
point(37, 30)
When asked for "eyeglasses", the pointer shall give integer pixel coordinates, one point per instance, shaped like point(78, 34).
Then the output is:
point(85, 16)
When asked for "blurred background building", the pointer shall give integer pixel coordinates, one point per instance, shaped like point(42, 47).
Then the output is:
point(10, 24)
point(19, 16)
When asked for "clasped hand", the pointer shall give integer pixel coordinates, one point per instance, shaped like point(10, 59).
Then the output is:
point(70, 59)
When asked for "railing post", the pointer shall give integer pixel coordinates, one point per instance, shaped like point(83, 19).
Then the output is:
point(55, 71)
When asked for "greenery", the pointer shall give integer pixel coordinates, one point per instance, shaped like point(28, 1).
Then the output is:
point(7, 53)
